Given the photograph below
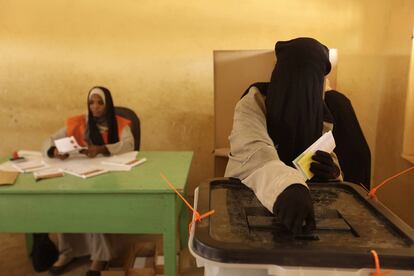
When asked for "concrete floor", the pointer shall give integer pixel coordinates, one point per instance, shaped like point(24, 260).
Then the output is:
point(14, 260)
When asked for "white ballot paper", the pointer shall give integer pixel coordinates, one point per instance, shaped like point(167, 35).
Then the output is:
point(67, 145)
point(48, 173)
point(29, 165)
point(124, 161)
point(325, 143)
point(83, 171)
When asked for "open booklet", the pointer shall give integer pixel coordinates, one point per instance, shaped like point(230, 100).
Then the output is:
point(325, 143)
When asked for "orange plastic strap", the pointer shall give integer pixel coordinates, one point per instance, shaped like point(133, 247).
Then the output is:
point(373, 192)
point(377, 266)
point(197, 216)
point(377, 263)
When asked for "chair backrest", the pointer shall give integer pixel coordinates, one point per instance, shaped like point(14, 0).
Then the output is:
point(135, 126)
point(351, 147)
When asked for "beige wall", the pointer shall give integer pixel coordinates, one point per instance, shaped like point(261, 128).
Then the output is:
point(156, 57)
point(397, 195)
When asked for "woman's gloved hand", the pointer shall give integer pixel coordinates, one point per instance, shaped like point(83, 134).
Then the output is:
point(294, 207)
point(324, 168)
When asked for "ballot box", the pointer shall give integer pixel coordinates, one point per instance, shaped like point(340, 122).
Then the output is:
point(243, 238)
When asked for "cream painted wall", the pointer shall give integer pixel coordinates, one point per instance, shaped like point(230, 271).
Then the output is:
point(397, 195)
point(156, 57)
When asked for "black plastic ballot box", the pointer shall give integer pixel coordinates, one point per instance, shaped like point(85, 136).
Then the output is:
point(243, 235)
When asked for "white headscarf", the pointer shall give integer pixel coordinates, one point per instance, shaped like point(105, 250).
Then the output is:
point(99, 92)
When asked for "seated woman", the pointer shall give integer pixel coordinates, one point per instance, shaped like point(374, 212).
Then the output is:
point(274, 123)
point(101, 132)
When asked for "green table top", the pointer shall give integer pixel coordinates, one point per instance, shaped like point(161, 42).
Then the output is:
point(144, 178)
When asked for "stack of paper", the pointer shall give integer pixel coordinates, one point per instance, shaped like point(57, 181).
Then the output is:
point(125, 161)
point(83, 171)
point(67, 145)
point(47, 173)
point(325, 143)
point(29, 165)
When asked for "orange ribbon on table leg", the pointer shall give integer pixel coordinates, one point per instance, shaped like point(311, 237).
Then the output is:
point(197, 216)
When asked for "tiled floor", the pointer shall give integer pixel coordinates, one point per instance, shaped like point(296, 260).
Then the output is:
point(14, 260)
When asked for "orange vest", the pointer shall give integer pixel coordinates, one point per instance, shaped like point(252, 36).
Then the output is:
point(76, 126)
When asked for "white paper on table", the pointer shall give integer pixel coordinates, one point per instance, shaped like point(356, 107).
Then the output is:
point(8, 167)
point(325, 143)
point(27, 154)
point(67, 145)
point(122, 158)
point(76, 162)
point(48, 173)
point(29, 165)
point(125, 161)
point(83, 171)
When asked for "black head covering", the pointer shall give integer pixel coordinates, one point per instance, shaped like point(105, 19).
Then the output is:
point(110, 119)
point(294, 101)
point(351, 148)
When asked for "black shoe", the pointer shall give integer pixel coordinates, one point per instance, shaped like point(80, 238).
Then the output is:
point(93, 273)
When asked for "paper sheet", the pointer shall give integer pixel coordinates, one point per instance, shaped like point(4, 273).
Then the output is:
point(83, 171)
point(48, 173)
point(27, 154)
point(29, 165)
point(325, 143)
point(125, 161)
point(77, 164)
point(67, 145)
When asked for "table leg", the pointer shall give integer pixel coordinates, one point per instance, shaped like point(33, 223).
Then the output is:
point(183, 225)
point(170, 231)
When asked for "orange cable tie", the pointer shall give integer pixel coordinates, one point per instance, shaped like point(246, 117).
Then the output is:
point(197, 216)
point(175, 190)
point(377, 266)
point(372, 193)
point(377, 263)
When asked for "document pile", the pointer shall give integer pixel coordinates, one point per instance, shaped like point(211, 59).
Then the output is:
point(78, 164)
point(29, 165)
point(47, 173)
point(123, 162)
point(325, 143)
point(83, 171)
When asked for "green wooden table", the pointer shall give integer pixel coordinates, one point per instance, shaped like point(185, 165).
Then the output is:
point(138, 201)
